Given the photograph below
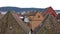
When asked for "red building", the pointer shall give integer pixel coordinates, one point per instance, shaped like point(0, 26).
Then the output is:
point(50, 10)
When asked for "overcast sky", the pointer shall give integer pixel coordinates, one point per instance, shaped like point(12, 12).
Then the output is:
point(31, 3)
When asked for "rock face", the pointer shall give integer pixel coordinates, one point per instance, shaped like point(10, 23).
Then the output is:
point(12, 25)
point(49, 26)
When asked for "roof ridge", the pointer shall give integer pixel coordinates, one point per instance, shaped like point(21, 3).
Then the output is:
point(51, 10)
point(21, 22)
point(36, 30)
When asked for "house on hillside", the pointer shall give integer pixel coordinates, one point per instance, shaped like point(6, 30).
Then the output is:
point(49, 26)
point(50, 10)
point(12, 24)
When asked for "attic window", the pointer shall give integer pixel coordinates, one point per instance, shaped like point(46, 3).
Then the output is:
point(38, 16)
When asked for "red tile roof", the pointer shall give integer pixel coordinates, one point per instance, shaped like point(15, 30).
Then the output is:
point(50, 10)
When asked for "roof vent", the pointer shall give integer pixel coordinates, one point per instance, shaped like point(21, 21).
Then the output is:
point(26, 20)
point(10, 27)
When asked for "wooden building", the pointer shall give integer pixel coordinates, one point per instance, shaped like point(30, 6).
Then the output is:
point(35, 18)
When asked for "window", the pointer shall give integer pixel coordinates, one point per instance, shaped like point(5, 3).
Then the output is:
point(38, 16)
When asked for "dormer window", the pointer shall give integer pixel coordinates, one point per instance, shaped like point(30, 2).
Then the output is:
point(38, 16)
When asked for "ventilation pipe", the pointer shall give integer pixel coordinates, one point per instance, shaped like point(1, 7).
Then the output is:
point(26, 19)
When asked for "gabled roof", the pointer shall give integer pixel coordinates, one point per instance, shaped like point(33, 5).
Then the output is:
point(35, 22)
point(19, 21)
point(41, 17)
point(50, 10)
point(48, 19)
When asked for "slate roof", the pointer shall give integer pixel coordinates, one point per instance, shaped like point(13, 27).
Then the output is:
point(37, 29)
point(19, 21)
point(48, 17)
point(1, 15)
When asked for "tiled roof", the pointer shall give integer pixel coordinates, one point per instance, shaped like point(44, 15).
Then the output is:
point(50, 10)
point(19, 21)
point(38, 28)
point(30, 13)
point(1, 15)
point(24, 26)
point(43, 23)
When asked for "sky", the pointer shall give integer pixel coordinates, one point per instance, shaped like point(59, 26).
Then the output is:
point(55, 4)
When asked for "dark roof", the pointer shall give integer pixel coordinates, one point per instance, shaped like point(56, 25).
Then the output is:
point(19, 21)
point(38, 28)
point(1, 15)
point(48, 17)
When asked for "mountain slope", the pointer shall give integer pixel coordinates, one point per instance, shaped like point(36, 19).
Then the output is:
point(22, 9)
point(19, 9)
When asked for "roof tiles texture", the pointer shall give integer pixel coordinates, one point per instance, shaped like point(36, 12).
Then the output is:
point(19, 21)
point(48, 22)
